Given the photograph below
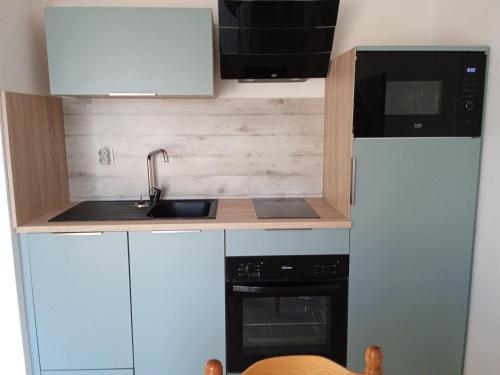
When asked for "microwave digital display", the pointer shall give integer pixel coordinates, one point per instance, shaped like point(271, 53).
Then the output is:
point(413, 97)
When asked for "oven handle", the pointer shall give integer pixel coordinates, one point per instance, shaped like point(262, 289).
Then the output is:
point(285, 289)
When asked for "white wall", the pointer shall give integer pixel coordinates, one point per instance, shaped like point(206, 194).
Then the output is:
point(369, 22)
point(464, 22)
point(360, 22)
point(23, 62)
point(23, 68)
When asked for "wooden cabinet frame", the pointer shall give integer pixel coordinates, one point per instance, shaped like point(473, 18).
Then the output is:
point(35, 149)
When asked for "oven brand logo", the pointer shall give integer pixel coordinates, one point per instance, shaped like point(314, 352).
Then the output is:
point(286, 268)
point(418, 125)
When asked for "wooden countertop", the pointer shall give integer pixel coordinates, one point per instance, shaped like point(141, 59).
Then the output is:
point(231, 214)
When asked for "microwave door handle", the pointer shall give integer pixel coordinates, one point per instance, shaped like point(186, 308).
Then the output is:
point(285, 289)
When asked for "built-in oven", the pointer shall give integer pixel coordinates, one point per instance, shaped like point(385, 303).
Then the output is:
point(419, 93)
point(285, 305)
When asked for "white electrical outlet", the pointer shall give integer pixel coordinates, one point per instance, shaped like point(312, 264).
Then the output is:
point(106, 156)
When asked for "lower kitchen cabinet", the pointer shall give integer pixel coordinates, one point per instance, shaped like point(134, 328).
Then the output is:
point(411, 252)
point(177, 283)
point(77, 293)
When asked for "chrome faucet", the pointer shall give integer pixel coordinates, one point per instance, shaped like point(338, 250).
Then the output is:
point(154, 192)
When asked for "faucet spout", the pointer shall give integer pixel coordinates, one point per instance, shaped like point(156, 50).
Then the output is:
point(154, 192)
point(157, 152)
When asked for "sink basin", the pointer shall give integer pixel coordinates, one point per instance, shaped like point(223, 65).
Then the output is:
point(185, 209)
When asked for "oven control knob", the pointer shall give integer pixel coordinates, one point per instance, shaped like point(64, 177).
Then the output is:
point(469, 105)
point(252, 270)
point(319, 269)
point(332, 269)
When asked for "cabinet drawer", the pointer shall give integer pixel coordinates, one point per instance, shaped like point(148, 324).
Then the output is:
point(287, 242)
point(90, 372)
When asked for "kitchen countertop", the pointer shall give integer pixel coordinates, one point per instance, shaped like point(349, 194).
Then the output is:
point(231, 214)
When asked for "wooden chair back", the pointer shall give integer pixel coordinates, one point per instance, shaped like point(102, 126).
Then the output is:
point(304, 365)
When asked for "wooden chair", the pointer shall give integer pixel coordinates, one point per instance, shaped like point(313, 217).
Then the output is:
point(304, 365)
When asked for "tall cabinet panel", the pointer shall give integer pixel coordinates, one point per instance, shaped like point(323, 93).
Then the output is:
point(411, 249)
point(178, 301)
point(81, 299)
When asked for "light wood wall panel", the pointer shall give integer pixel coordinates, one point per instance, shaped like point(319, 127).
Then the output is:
point(35, 155)
point(217, 147)
point(339, 112)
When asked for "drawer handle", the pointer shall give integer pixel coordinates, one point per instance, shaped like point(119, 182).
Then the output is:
point(286, 229)
point(132, 94)
point(176, 231)
point(78, 234)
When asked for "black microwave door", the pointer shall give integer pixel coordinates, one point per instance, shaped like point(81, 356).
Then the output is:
point(417, 94)
point(370, 106)
point(266, 321)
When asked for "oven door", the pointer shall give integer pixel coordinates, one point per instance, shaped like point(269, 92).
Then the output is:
point(419, 94)
point(272, 319)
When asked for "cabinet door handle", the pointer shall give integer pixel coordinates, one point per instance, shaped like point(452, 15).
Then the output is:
point(78, 234)
point(353, 181)
point(176, 231)
point(132, 94)
point(286, 229)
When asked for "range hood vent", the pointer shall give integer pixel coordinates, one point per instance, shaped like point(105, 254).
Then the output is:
point(276, 39)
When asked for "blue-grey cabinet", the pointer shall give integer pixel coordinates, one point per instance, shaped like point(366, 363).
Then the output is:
point(177, 283)
point(259, 242)
point(101, 50)
point(78, 290)
point(411, 251)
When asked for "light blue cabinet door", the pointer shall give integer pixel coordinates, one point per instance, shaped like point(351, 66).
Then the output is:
point(411, 249)
point(177, 301)
point(81, 297)
point(97, 51)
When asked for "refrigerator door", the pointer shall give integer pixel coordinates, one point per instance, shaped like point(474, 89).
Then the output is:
point(411, 251)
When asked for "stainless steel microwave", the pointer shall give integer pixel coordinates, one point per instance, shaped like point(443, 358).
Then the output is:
point(419, 93)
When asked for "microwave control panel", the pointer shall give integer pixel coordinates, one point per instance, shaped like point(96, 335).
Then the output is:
point(471, 92)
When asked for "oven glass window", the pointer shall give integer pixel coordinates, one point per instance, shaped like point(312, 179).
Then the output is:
point(413, 98)
point(272, 325)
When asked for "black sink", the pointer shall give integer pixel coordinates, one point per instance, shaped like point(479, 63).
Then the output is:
point(126, 210)
point(184, 209)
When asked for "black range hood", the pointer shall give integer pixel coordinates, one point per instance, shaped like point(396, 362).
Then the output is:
point(276, 39)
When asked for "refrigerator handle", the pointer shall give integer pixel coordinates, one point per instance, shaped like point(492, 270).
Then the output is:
point(353, 181)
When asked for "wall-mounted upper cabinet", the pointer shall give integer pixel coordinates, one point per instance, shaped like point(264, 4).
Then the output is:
point(138, 51)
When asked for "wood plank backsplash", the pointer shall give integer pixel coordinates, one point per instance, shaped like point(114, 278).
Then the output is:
point(217, 147)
